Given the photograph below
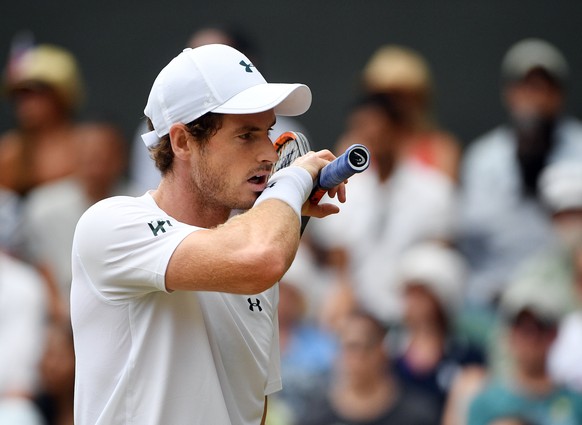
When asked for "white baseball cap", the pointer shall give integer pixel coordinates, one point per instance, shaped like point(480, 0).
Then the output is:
point(535, 292)
point(440, 269)
point(216, 78)
point(531, 53)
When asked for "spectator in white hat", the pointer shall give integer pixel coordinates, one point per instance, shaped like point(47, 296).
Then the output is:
point(430, 353)
point(554, 264)
point(525, 387)
point(554, 268)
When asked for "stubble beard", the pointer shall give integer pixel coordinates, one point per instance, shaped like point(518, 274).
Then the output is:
point(215, 193)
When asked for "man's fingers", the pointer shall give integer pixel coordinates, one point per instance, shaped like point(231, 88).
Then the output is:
point(319, 210)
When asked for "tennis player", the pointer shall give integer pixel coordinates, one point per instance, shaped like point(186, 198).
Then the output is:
point(174, 295)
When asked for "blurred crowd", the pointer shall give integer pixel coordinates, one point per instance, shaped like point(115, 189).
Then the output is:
point(447, 291)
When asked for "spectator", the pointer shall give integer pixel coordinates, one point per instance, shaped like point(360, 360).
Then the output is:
point(431, 353)
point(45, 87)
point(404, 75)
point(363, 392)
point(503, 221)
point(553, 265)
point(22, 333)
point(564, 361)
point(525, 387)
point(99, 153)
point(307, 351)
point(398, 202)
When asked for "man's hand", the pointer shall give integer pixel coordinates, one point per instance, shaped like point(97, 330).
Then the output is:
point(313, 162)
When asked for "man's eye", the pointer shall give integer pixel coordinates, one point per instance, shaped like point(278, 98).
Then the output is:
point(245, 136)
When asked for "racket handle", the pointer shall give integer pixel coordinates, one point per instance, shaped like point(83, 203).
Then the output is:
point(354, 160)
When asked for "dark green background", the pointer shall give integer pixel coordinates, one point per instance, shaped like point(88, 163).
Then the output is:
point(122, 45)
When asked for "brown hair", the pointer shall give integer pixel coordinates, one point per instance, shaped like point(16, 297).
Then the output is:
point(202, 129)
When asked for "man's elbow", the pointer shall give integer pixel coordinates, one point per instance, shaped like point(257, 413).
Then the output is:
point(268, 268)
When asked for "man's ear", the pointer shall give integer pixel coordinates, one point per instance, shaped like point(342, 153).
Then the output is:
point(179, 136)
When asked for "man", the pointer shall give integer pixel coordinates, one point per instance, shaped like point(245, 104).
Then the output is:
point(363, 390)
point(45, 87)
point(142, 170)
point(503, 220)
point(100, 157)
point(399, 203)
point(525, 388)
point(23, 309)
point(173, 298)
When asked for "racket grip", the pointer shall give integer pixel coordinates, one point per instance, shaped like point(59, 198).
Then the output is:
point(354, 160)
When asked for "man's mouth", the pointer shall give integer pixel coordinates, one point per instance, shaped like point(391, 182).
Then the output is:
point(258, 180)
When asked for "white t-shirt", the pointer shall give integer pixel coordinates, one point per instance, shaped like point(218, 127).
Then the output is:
point(566, 353)
point(23, 309)
point(380, 221)
point(147, 356)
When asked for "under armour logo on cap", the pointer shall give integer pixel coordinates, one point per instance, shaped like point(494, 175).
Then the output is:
point(247, 66)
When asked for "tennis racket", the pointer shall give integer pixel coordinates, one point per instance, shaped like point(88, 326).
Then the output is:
point(291, 145)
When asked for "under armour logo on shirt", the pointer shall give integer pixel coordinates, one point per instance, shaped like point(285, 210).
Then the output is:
point(256, 304)
point(159, 227)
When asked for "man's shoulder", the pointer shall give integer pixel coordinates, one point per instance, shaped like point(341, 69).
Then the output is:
point(116, 205)
point(118, 212)
point(118, 218)
point(494, 139)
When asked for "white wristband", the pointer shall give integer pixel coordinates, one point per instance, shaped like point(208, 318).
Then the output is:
point(291, 185)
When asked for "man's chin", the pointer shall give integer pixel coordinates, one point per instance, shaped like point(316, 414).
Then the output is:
point(243, 206)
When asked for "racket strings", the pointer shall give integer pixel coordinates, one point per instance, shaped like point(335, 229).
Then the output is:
point(290, 150)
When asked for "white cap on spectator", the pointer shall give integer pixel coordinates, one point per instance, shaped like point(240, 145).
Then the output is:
point(532, 292)
point(440, 269)
point(531, 53)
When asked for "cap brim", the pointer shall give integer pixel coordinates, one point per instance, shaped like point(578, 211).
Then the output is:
point(286, 99)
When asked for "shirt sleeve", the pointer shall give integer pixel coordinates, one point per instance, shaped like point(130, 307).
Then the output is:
point(124, 248)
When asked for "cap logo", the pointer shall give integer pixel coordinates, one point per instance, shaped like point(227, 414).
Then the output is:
point(247, 66)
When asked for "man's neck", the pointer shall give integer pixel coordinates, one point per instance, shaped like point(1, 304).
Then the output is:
point(534, 383)
point(181, 202)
